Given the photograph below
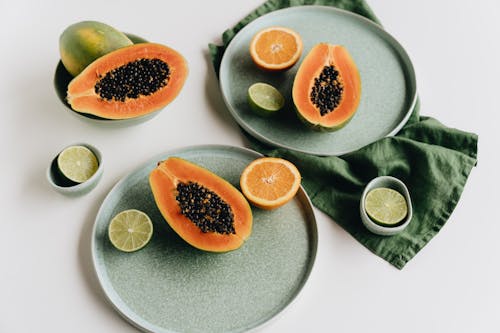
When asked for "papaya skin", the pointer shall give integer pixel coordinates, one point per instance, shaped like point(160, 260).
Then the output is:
point(163, 181)
point(83, 42)
point(322, 55)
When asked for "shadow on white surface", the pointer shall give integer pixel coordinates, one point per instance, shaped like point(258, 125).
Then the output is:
point(87, 268)
point(213, 94)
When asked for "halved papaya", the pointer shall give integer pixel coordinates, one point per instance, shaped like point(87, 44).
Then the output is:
point(327, 87)
point(129, 82)
point(202, 208)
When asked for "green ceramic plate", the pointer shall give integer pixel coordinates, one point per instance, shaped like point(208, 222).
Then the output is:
point(169, 286)
point(389, 89)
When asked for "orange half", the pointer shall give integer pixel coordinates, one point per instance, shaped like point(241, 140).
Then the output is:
point(270, 182)
point(276, 48)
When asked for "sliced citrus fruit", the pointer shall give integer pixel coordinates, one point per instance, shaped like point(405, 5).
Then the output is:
point(130, 230)
point(270, 182)
point(265, 99)
point(276, 48)
point(77, 163)
point(386, 206)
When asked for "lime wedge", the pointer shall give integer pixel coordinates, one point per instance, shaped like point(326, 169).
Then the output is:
point(386, 206)
point(77, 163)
point(265, 99)
point(130, 230)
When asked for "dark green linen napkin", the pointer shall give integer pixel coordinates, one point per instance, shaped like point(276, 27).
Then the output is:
point(433, 160)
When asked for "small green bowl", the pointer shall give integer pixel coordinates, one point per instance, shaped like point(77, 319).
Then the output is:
point(395, 184)
point(58, 184)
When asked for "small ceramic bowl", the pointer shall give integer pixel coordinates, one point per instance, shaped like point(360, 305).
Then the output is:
point(395, 184)
point(79, 189)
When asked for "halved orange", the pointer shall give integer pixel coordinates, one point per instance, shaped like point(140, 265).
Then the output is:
point(276, 48)
point(270, 182)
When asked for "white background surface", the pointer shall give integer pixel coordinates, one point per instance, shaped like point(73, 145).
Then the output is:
point(46, 277)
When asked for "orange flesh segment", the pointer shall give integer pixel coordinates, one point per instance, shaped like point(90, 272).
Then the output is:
point(270, 181)
point(276, 47)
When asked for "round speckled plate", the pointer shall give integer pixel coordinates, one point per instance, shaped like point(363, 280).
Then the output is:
point(389, 89)
point(169, 286)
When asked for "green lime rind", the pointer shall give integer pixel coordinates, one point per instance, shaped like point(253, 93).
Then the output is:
point(386, 206)
point(77, 163)
point(264, 99)
point(130, 230)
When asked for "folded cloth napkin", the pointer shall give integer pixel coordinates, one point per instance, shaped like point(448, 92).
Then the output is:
point(433, 160)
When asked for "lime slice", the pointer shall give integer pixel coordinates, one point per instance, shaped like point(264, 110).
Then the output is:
point(130, 230)
point(265, 99)
point(386, 206)
point(77, 163)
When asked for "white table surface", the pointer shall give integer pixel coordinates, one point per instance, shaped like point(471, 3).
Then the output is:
point(47, 282)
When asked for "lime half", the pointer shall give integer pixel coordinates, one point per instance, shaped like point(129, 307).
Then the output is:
point(77, 163)
point(130, 230)
point(386, 206)
point(265, 99)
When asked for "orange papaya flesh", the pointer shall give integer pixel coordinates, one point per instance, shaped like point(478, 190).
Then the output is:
point(130, 82)
point(327, 87)
point(202, 208)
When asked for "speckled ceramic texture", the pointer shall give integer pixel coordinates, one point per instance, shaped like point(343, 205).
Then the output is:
point(392, 183)
point(169, 286)
point(388, 81)
point(79, 189)
point(61, 80)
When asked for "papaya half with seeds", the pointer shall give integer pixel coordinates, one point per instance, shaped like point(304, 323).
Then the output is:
point(327, 87)
point(202, 208)
point(129, 82)
point(83, 42)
